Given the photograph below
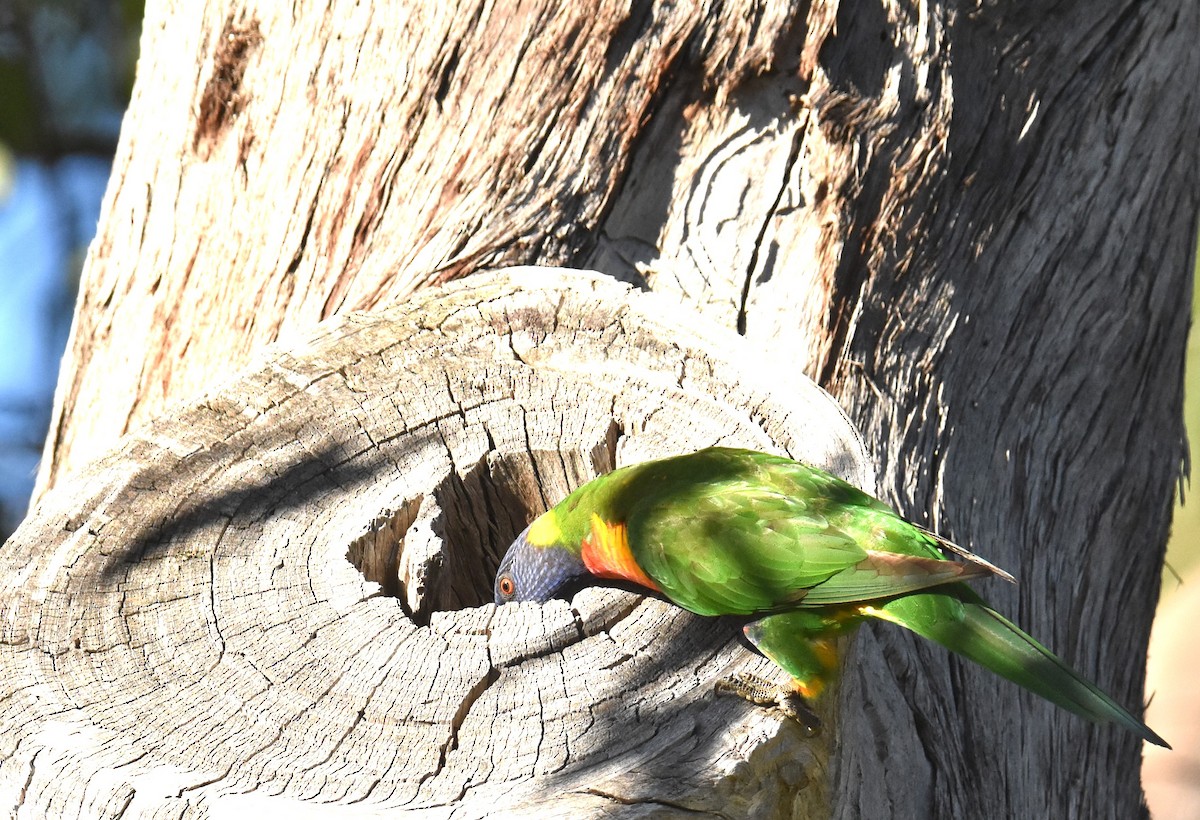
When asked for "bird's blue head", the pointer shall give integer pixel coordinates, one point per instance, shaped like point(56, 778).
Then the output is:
point(530, 572)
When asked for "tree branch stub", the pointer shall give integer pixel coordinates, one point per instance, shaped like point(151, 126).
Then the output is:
point(279, 595)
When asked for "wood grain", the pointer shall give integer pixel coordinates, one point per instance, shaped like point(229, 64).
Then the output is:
point(213, 619)
point(974, 223)
point(319, 158)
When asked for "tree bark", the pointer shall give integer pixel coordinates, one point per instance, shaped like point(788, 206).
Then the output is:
point(194, 625)
point(974, 225)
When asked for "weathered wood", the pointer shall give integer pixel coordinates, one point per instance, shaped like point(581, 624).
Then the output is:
point(977, 230)
point(1013, 350)
point(973, 222)
point(317, 158)
point(193, 625)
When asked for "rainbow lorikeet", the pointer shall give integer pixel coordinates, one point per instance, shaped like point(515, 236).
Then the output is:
point(802, 554)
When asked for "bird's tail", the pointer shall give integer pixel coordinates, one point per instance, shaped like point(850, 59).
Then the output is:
point(980, 633)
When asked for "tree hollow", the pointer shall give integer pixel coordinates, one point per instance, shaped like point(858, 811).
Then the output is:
point(279, 595)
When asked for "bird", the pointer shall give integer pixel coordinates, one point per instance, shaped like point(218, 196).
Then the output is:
point(802, 556)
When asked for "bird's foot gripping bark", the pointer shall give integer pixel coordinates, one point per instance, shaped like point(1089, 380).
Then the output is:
point(762, 692)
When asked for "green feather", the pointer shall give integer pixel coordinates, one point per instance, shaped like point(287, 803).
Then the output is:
point(808, 556)
point(964, 624)
point(740, 532)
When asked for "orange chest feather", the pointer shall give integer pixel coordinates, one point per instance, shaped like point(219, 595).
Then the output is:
point(606, 554)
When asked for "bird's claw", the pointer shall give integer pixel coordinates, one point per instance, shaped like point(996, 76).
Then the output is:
point(762, 692)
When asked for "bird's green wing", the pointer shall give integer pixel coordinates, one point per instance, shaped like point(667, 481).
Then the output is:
point(760, 534)
point(726, 553)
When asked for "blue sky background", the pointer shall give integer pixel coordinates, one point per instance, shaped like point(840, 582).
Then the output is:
point(48, 214)
point(65, 73)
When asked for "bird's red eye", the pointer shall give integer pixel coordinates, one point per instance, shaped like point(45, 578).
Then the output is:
point(507, 587)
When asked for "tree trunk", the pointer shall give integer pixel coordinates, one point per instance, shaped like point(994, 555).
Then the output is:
point(973, 225)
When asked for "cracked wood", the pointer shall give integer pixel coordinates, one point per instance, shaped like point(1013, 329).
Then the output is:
point(197, 625)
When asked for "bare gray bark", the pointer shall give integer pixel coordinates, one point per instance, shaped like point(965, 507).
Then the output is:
point(973, 224)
